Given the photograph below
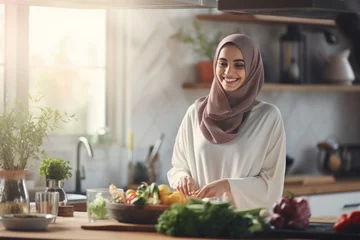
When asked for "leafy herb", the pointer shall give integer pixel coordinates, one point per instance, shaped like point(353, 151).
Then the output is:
point(201, 44)
point(210, 220)
point(22, 133)
point(55, 168)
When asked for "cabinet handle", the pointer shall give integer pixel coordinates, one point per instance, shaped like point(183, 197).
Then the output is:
point(352, 205)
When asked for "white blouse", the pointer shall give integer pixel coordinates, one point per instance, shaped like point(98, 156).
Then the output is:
point(253, 163)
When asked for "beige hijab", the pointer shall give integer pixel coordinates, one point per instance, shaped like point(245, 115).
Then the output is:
point(221, 113)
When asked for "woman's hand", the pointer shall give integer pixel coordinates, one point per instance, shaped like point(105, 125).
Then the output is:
point(187, 186)
point(214, 189)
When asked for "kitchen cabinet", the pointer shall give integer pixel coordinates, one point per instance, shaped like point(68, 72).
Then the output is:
point(330, 205)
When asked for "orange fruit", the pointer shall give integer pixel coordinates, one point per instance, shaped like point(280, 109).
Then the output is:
point(164, 199)
point(164, 189)
point(174, 198)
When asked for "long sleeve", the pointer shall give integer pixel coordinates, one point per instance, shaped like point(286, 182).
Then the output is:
point(180, 167)
point(266, 188)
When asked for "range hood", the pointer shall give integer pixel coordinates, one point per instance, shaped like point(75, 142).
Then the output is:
point(327, 9)
point(118, 4)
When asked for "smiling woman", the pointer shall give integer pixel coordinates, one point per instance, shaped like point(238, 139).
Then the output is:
point(229, 144)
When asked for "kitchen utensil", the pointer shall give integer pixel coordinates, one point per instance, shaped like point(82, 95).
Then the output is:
point(131, 164)
point(156, 148)
point(138, 214)
point(26, 222)
point(338, 69)
point(153, 158)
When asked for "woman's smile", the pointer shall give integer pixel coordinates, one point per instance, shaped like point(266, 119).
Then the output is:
point(230, 80)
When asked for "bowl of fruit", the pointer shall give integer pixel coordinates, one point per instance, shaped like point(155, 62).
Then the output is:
point(143, 205)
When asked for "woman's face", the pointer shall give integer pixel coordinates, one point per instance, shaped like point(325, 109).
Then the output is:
point(230, 67)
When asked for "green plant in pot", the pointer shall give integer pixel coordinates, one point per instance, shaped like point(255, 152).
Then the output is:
point(55, 171)
point(22, 131)
point(202, 45)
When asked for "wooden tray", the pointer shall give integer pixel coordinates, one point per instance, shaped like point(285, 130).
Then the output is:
point(308, 180)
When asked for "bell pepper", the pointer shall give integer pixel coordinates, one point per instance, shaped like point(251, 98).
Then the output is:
point(342, 223)
point(130, 197)
point(354, 217)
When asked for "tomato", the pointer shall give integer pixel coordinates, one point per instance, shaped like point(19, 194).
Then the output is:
point(354, 217)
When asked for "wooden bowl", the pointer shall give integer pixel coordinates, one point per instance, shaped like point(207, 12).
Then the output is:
point(129, 213)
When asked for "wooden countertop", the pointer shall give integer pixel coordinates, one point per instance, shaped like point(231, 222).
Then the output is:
point(323, 188)
point(70, 228)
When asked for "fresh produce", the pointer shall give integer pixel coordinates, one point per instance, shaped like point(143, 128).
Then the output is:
point(97, 208)
point(348, 222)
point(148, 195)
point(291, 212)
point(116, 194)
point(198, 218)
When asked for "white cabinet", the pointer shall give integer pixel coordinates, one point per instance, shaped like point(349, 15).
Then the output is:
point(332, 205)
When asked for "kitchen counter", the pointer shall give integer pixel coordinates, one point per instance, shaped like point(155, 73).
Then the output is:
point(322, 188)
point(70, 228)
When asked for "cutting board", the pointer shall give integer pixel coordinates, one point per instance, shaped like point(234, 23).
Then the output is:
point(113, 225)
point(308, 180)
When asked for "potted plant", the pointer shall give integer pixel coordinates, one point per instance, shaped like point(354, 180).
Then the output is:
point(55, 171)
point(204, 47)
point(22, 131)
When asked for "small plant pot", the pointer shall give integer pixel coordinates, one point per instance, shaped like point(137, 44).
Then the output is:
point(206, 72)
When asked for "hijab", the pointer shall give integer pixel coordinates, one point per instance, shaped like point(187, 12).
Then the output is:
point(221, 113)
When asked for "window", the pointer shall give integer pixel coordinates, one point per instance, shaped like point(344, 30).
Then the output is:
point(2, 50)
point(67, 64)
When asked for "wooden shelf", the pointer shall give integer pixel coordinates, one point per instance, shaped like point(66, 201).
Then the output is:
point(276, 87)
point(265, 19)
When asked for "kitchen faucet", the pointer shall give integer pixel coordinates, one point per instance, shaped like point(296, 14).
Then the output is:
point(90, 153)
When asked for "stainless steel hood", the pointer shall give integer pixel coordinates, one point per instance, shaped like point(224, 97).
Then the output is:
point(292, 8)
point(117, 4)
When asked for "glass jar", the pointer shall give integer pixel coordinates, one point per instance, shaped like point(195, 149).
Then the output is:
point(53, 185)
point(14, 197)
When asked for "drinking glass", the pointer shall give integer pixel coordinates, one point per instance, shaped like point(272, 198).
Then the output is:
point(47, 202)
point(96, 203)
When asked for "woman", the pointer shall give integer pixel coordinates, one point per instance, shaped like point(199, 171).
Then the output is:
point(228, 142)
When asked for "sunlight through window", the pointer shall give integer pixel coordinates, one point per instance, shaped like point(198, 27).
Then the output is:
point(67, 51)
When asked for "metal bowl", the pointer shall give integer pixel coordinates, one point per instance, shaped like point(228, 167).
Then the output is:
point(129, 213)
point(26, 222)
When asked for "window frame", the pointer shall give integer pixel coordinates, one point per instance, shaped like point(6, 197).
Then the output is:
point(16, 71)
